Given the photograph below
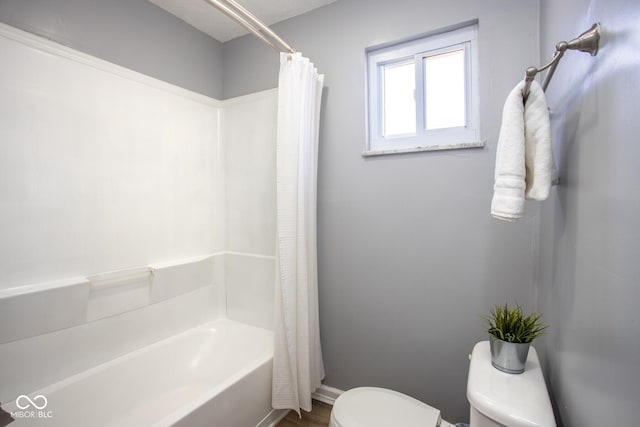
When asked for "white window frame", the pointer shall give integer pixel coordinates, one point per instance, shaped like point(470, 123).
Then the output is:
point(416, 51)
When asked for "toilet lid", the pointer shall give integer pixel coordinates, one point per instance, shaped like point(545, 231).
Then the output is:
point(379, 407)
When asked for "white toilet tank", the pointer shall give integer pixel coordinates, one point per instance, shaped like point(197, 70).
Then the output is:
point(499, 399)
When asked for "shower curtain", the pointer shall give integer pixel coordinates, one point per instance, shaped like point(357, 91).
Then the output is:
point(297, 361)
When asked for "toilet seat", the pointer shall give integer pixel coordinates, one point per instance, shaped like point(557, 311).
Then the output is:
point(380, 407)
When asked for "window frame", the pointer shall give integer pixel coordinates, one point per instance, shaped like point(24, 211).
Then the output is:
point(415, 51)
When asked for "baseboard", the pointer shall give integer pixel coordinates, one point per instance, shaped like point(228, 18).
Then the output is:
point(273, 418)
point(327, 394)
point(324, 394)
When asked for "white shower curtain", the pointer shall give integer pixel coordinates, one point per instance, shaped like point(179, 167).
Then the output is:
point(297, 362)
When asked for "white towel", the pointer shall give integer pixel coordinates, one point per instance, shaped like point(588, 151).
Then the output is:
point(524, 160)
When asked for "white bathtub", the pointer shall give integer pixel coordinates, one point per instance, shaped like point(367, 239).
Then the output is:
point(218, 374)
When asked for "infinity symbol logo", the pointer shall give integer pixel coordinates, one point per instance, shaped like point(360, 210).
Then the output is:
point(30, 402)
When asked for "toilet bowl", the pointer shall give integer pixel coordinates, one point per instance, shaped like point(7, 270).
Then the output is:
point(497, 399)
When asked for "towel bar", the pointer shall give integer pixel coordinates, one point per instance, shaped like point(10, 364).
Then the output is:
point(585, 42)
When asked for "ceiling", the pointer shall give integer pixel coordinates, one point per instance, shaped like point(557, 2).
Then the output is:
point(208, 19)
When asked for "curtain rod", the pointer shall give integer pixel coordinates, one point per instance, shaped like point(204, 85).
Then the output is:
point(248, 20)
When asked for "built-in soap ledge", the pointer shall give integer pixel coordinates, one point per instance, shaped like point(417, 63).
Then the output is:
point(27, 311)
point(31, 310)
point(173, 278)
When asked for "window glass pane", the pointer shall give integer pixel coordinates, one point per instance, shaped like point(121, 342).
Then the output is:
point(399, 106)
point(445, 90)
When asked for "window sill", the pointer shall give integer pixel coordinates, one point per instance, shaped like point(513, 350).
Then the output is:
point(459, 146)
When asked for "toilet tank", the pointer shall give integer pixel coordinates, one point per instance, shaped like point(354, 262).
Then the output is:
point(513, 400)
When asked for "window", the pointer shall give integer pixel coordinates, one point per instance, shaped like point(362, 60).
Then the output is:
point(423, 94)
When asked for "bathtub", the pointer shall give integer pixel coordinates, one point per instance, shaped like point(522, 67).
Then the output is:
point(217, 374)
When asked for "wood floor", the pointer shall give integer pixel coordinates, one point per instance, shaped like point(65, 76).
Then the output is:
point(318, 417)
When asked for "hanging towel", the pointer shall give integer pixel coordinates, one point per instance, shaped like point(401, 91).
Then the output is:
point(524, 160)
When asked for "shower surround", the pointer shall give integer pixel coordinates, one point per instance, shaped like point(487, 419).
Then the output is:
point(134, 212)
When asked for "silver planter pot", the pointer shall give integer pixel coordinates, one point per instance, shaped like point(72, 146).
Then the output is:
point(509, 357)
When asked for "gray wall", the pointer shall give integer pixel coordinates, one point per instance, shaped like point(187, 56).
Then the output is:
point(409, 257)
point(590, 231)
point(133, 33)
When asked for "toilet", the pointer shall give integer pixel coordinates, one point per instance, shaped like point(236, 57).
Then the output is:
point(497, 399)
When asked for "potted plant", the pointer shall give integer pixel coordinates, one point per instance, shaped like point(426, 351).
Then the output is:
point(511, 333)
